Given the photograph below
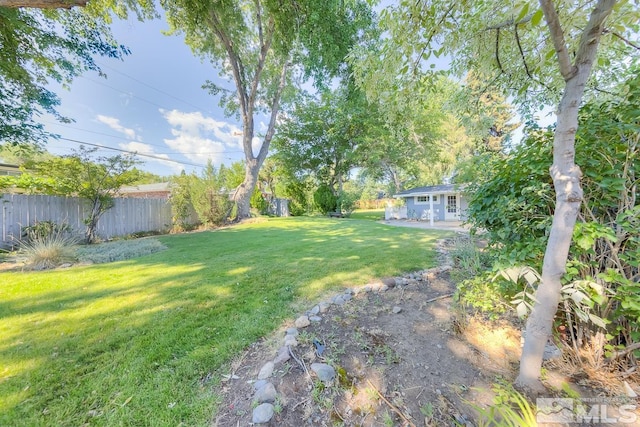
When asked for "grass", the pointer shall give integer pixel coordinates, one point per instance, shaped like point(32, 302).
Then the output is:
point(368, 214)
point(145, 341)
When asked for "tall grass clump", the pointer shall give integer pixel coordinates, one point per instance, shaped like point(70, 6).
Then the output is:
point(48, 250)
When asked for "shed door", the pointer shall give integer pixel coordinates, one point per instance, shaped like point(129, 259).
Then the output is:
point(451, 210)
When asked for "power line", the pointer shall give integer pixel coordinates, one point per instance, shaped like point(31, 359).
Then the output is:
point(140, 142)
point(124, 92)
point(152, 87)
point(135, 153)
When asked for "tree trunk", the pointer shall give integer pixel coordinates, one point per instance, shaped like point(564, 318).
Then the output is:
point(242, 196)
point(566, 179)
point(43, 4)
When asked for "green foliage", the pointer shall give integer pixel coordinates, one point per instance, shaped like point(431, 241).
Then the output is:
point(346, 202)
point(43, 46)
point(181, 206)
point(485, 295)
point(258, 202)
point(324, 199)
point(80, 175)
point(510, 408)
point(43, 230)
point(515, 206)
point(208, 196)
point(321, 138)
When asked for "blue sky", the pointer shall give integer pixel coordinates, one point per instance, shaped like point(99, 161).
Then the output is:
point(151, 103)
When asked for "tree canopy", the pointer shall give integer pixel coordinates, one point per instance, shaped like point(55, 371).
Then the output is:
point(42, 46)
point(257, 45)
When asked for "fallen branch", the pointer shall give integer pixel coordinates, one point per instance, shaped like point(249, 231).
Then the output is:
point(301, 363)
point(620, 353)
point(438, 298)
point(395, 409)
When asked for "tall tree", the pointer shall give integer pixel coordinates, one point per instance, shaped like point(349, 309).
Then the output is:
point(321, 138)
point(537, 64)
point(257, 44)
point(39, 46)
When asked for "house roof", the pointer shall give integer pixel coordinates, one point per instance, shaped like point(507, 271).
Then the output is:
point(431, 189)
point(145, 188)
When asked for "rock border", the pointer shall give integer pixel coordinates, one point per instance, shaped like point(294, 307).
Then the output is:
point(265, 393)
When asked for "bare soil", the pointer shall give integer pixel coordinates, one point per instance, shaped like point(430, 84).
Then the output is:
point(419, 366)
point(430, 364)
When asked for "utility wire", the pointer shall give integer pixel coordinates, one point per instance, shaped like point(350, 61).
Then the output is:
point(131, 140)
point(152, 87)
point(135, 153)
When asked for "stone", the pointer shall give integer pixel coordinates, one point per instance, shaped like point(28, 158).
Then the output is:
point(262, 413)
point(302, 322)
point(389, 281)
point(339, 300)
point(629, 391)
point(367, 288)
point(259, 384)
point(383, 288)
point(324, 306)
point(290, 341)
point(283, 355)
point(292, 332)
point(325, 373)
point(315, 310)
point(396, 309)
point(315, 318)
point(348, 292)
point(266, 393)
point(266, 371)
point(347, 297)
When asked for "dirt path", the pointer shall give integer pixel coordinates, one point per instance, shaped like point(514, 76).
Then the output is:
point(400, 358)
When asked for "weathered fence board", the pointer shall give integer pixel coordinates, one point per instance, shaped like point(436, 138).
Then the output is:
point(128, 215)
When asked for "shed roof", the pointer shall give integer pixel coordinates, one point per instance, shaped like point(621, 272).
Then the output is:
point(432, 189)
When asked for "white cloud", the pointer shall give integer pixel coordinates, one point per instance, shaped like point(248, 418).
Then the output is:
point(114, 124)
point(200, 138)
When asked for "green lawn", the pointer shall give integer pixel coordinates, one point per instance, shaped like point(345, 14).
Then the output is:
point(369, 214)
point(144, 341)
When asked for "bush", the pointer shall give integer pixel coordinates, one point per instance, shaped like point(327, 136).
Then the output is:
point(325, 200)
point(258, 202)
point(44, 229)
point(346, 203)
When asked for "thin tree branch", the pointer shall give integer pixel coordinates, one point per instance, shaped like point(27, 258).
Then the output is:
point(214, 23)
point(524, 60)
point(627, 41)
point(557, 35)
point(275, 107)
point(43, 4)
point(510, 22)
point(498, 50)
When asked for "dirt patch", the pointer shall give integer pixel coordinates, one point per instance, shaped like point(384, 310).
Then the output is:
point(401, 356)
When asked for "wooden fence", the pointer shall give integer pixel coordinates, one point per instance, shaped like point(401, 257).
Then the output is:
point(128, 215)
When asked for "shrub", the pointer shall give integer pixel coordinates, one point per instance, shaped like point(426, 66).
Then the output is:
point(346, 202)
point(118, 250)
point(325, 200)
point(258, 202)
point(43, 229)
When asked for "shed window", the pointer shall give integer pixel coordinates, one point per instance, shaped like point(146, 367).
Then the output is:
point(425, 199)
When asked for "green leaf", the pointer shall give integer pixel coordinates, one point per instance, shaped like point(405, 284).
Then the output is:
point(537, 17)
point(523, 12)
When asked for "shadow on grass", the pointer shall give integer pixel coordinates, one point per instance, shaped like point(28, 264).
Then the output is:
point(137, 342)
